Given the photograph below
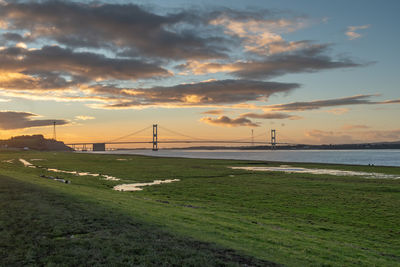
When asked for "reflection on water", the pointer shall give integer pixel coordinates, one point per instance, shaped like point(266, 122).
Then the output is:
point(378, 157)
point(289, 169)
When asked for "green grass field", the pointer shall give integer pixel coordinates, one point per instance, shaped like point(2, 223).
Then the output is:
point(213, 216)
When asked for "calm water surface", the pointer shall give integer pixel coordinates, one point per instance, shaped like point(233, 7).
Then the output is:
point(383, 157)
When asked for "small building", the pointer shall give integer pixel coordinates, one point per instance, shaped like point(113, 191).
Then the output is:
point(99, 147)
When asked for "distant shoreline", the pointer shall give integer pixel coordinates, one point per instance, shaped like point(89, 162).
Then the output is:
point(298, 147)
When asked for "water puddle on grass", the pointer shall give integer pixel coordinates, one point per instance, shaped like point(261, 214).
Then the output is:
point(289, 169)
point(27, 163)
point(109, 177)
point(103, 176)
point(137, 186)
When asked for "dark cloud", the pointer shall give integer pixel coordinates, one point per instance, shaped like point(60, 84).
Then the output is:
point(15, 37)
point(317, 104)
point(122, 26)
point(40, 81)
point(241, 15)
point(228, 122)
point(394, 101)
point(307, 60)
point(243, 119)
point(10, 120)
point(85, 64)
point(270, 116)
point(311, 59)
point(196, 94)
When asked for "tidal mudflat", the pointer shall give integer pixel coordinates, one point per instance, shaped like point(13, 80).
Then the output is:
point(290, 169)
point(214, 215)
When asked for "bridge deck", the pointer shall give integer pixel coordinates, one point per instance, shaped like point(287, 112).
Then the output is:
point(180, 142)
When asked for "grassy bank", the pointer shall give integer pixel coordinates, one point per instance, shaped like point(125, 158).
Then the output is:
point(212, 215)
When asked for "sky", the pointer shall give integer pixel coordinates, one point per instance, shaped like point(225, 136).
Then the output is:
point(316, 71)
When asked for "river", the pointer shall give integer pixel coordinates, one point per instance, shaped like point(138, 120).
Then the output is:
point(378, 157)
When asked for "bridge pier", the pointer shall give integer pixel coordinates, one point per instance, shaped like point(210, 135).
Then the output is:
point(99, 147)
point(155, 137)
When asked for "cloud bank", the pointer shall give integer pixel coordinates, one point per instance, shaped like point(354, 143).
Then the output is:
point(195, 94)
point(10, 120)
point(127, 56)
point(119, 27)
point(318, 104)
point(228, 122)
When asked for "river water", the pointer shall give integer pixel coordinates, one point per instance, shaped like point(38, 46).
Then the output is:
point(379, 157)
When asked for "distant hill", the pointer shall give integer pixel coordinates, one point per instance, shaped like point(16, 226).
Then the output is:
point(36, 142)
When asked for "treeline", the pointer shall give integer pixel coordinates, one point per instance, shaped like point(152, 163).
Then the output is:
point(35, 142)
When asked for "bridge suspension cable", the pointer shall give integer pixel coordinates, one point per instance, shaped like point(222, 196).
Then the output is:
point(185, 135)
point(131, 134)
point(261, 134)
point(202, 139)
point(287, 139)
point(247, 138)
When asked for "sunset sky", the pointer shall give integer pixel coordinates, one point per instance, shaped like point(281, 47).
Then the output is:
point(316, 71)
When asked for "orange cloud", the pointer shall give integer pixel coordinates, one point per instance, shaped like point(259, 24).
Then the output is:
point(262, 36)
point(351, 31)
point(84, 117)
point(338, 111)
point(214, 112)
point(354, 127)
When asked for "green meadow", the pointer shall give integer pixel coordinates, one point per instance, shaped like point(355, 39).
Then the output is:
point(213, 216)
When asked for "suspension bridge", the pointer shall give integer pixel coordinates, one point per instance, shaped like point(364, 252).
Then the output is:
point(155, 140)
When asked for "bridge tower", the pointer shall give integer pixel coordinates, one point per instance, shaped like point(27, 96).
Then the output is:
point(155, 137)
point(252, 137)
point(273, 139)
point(54, 130)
